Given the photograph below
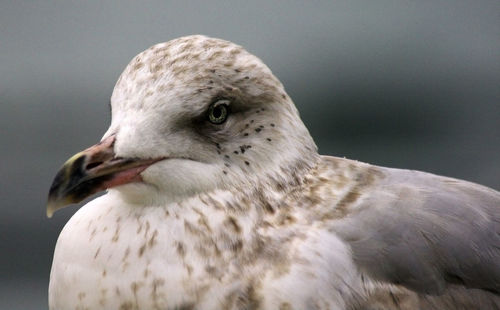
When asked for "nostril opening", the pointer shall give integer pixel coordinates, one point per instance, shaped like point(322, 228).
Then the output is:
point(93, 165)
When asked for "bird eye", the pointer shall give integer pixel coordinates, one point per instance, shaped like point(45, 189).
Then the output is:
point(218, 112)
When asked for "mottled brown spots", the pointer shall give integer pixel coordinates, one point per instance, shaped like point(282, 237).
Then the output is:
point(126, 254)
point(363, 179)
point(375, 174)
point(182, 58)
point(189, 269)
point(135, 286)
point(148, 226)
point(97, 252)
point(137, 66)
point(247, 163)
point(187, 306)
point(232, 223)
point(102, 299)
point(158, 282)
point(89, 224)
point(125, 266)
point(266, 205)
point(312, 197)
point(195, 56)
point(286, 219)
point(92, 234)
point(212, 202)
point(235, 51)
point(214, 55)
point(116, 235)
point(81, 296)
point(146, 272)
point(104, 273)
point(155, 286)
point(186, 48)
point(202, 222)
point(152, 240)
point(155, 68)
point(211, 270)
point(237, 245)
point(163, 51)
point(203, 249)
point(247, 299)
point(179, 70)
point(221, 44)
point(348, 199)
point(141, 250)
point(128, 305)
point(286, 306)
point(163, 88)
point(278, 185)
point(281, 268)
point(181, 250)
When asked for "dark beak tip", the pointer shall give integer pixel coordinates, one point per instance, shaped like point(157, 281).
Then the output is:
point(75, 179)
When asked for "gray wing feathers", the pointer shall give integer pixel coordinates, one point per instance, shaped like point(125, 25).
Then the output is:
point(424, 232)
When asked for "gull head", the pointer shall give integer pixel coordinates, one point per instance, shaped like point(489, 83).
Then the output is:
point(191, 115)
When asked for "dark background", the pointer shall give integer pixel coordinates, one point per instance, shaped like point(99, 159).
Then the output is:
point(410, 84)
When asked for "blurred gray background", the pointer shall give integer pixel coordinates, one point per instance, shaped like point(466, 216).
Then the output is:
point(410, 84)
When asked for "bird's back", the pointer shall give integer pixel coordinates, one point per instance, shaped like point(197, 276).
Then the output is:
point(433, 239)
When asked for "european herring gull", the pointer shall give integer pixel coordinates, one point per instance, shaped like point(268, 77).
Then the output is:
point(217, 199)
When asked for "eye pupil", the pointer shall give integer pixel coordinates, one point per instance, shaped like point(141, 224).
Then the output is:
point(217, 112)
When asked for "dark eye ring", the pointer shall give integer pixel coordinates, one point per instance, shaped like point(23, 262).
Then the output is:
point(218, 112)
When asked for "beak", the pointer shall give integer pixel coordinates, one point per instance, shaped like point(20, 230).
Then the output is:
point(93, 170)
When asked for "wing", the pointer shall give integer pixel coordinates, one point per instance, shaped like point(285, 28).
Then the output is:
point(424, 231)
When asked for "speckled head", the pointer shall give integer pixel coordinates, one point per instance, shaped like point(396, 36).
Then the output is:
point(162, 107)
point(192, 66)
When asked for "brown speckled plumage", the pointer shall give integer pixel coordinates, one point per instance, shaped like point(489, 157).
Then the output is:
point(245, 214)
